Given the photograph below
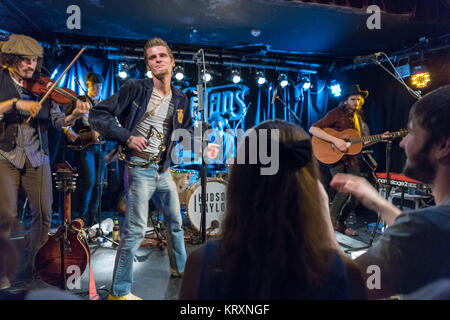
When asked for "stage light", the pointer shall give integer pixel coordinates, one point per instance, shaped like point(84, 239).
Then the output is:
point(306, 83)
point(123, 70)
point(123, 74)
point(179, 73)
point(236, 76)
point(420, 77)
point(283, 80)
point(206, 76)
point(335, 89)
point(149, 74)
point(55, 72)
point(260, 78)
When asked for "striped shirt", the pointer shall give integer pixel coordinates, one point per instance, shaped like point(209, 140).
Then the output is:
point(158, 117)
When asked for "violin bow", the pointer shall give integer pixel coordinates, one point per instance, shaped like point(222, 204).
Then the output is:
point(56, 82)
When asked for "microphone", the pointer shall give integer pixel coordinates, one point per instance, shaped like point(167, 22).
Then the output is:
point(368, 58)
point(274, 94)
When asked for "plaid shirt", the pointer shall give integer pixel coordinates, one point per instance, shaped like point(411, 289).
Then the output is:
point(28, 140)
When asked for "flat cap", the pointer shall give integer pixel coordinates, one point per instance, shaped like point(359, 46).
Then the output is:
point(21, 45)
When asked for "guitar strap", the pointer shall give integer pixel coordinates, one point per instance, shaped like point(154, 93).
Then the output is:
point(357, 122)
point(93, 295)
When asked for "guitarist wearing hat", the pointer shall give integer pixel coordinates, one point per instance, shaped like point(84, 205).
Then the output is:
point(346, 115)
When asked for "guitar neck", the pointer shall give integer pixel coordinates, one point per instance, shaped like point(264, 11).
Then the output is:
point(67, 207)
point(377, 137)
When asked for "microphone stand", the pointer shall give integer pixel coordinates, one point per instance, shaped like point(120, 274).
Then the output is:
point(388, 192)
point(99, 185)
point(396, 76)
point(289, 109)
point(203, 125)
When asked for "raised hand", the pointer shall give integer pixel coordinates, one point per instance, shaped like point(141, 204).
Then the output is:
point(369, 196)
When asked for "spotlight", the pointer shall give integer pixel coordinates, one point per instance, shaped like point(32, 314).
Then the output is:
point(55, 72)
point(260, 78)
point(179, 73)
point(335, 88)
point(206, 76)
point(236, 76)
point(420, 77)
point(283, 80)
point(149, 74)
point(306, 83)
point(123, 70)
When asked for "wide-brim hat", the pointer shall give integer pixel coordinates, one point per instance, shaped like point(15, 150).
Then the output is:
point(353, 89)
point(22, 45)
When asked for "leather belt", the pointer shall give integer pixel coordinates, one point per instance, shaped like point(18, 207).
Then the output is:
point(142, 155)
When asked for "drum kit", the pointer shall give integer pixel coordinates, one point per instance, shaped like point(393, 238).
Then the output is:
point(187, 180)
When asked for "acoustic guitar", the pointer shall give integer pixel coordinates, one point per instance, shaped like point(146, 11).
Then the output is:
point(326, 152)
point(67, 247)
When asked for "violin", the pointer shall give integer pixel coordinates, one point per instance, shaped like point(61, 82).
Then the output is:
point(48, 87)
point(40, 86)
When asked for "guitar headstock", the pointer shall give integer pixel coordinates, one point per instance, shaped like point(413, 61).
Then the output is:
point(401, 133)
point(65, 177)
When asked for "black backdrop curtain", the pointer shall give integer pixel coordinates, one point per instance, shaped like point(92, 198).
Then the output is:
point(386, 108)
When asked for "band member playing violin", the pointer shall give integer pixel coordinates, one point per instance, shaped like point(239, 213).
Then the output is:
point(24, 144)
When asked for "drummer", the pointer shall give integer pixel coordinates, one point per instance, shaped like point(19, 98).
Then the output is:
point(221, 138)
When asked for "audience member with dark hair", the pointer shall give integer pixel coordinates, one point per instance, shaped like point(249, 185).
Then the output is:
point(277, 239)
point(415, 249)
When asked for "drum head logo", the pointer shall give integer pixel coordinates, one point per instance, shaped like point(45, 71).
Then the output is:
point(215, 204)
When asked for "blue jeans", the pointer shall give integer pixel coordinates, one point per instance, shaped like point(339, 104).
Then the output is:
point(88, 162)
point(142, 184)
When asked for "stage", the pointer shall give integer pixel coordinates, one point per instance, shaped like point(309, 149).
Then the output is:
point(152, 279)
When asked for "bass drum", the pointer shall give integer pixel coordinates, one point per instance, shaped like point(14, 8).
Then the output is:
point(215, 204)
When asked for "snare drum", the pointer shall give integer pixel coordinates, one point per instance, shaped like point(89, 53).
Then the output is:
point(215, 203)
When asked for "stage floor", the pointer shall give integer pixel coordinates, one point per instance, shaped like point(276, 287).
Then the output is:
point(152, 280)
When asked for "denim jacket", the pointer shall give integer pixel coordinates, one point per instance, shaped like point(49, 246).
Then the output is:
point(129, 105)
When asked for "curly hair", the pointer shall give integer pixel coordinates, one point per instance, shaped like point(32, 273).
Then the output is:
point(275, 243)
point(8, 60)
